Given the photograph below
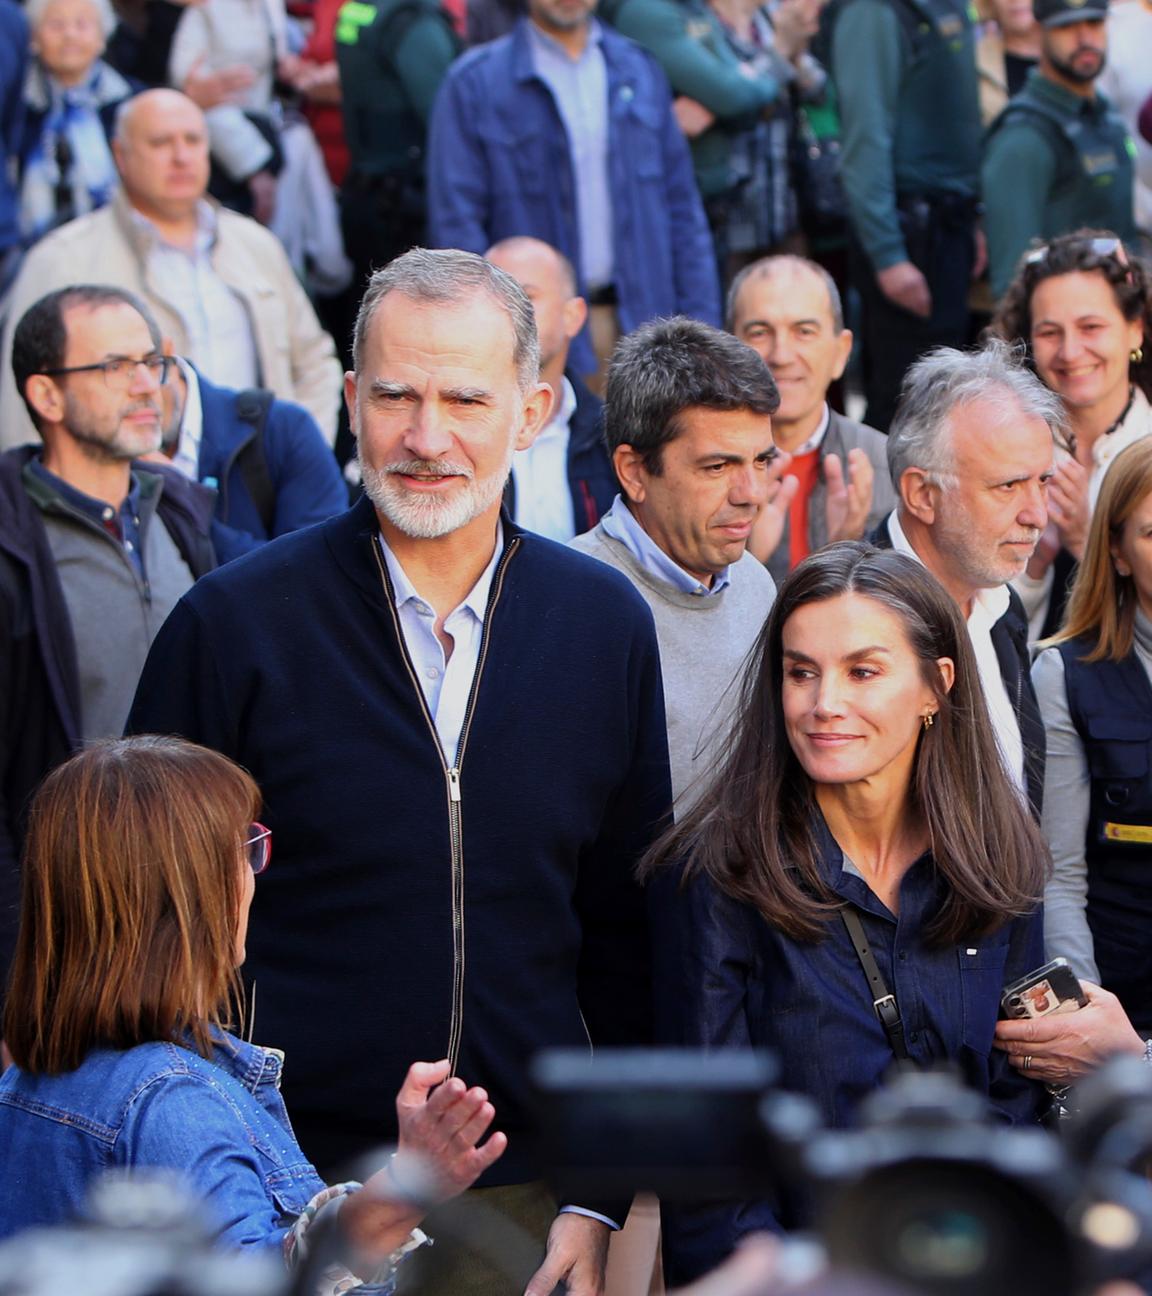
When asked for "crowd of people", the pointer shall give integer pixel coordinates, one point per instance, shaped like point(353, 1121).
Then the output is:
point(574, 670)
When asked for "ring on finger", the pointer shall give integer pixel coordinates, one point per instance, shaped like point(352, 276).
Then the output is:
point(1027, 1062)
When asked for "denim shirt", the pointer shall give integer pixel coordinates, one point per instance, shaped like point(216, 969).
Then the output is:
point(222, 1124)
point(726, 979)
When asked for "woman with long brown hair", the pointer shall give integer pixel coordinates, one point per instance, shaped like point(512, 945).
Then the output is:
point(1094, 685)
point(863, 877)
point(140, 866)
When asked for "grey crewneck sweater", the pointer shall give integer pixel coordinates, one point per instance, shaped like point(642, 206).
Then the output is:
point(704, 640)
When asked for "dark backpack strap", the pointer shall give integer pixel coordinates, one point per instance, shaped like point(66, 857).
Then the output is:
point(883, 1000)
point(252, 406)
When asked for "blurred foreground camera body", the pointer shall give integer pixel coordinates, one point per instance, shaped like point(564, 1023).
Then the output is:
point(144, 1236)
point(925, 1192)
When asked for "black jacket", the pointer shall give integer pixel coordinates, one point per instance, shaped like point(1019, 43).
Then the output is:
point(417, 909)
point(39, 677)
point(1010, 640)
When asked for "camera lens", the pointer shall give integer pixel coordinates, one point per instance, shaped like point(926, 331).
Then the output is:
point(950, 1228)
point(942, 1243)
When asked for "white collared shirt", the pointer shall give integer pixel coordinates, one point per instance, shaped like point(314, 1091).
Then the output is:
point(446, 683)
point(988, 606)
point(540, 475)
point(220, 338)
point(816, 440)
point(187, 456)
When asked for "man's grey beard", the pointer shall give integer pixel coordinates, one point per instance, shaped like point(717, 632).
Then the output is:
point(427, 517)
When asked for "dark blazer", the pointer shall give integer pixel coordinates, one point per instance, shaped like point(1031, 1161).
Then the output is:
point(1010, 640)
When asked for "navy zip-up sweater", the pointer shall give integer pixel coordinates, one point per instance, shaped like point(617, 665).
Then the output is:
point(370, 946)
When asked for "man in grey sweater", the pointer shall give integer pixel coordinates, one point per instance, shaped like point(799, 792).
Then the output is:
point(688, 425)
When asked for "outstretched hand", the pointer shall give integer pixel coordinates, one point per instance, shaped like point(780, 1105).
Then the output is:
point(441, 1124)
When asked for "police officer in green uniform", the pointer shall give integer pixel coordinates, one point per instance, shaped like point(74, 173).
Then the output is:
point(1057, 158)
point(905, 73)
point(392, 55)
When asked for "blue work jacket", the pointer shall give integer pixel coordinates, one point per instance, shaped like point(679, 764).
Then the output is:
point(499, 165)
point(725, 979)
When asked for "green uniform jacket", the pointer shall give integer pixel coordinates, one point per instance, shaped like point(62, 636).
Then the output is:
point(1053, 163)
point(392, 56)
point(905, 74)
point(686, 39)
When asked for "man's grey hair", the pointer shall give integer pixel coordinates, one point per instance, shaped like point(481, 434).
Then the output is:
point(34, 12)
point(945, 379)
point(766, 267)
point(451, 277)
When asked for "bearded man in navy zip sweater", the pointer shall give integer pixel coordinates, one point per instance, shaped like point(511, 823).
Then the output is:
point(458, 728)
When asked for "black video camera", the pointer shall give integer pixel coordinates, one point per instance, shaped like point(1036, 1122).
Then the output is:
point(926, 1191)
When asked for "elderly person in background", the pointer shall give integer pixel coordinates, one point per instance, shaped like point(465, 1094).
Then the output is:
point(219, 284)
point(71, 96)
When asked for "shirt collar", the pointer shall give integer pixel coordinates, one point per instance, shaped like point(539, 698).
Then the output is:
point(187, 456)
point(565, 408)
point(541, 42)
point(817, 438)
point(476, 600)
point(98, 510)
point(206, 225)
point(621, 525)
point(988, 605)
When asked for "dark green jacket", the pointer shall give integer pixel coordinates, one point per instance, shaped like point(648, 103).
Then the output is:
point(1053, 162)
point(905, 74)
point(392, 56)
point(688, 42)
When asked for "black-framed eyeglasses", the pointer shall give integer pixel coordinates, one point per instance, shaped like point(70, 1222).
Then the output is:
point(1100, 247)
point(119, 374)
point(259, 847)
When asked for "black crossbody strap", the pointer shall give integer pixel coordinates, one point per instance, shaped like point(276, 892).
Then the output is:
point(883, 1000)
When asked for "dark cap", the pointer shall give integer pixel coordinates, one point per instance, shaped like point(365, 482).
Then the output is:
point(1059, 13)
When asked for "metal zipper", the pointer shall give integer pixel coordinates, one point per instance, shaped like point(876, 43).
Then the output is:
point(452, 780)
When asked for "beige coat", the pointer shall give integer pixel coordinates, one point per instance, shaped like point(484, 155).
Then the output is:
point(297, 358)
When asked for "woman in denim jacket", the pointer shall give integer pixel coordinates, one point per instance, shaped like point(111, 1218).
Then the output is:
point(139, 872)
point(863, 779)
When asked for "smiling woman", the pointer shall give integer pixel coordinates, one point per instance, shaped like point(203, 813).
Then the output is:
point(1084, 311)
point(863, 783)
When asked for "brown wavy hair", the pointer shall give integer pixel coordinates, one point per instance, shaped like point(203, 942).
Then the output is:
point(1102, 603)
point(130, 895)
point(1131, 284)
point(754, 832)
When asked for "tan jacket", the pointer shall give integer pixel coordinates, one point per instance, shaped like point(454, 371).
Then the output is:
point(993, 78)
point(297, 358)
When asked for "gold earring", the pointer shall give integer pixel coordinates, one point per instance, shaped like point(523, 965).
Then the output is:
point(929, 720)
point(1136, 354)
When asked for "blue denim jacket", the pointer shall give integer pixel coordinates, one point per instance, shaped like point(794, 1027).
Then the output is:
point(222, 1124)
point(726, 979)
point(498, 165)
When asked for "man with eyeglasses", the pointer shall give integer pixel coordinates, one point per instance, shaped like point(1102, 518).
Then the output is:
point(1057, 158)
point(96, 547)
